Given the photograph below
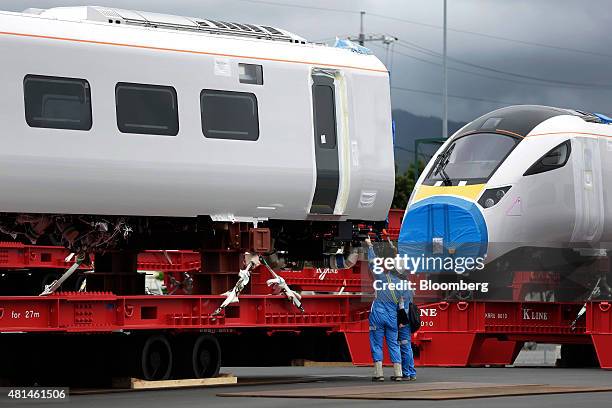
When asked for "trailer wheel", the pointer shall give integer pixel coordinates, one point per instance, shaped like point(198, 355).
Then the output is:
point(206, 357)
point(578, 356)
point(155, 361)
point(80, 280)
point(48, 279)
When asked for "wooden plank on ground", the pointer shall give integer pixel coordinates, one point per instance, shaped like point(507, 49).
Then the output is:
point(310, 363)
point(138, 384)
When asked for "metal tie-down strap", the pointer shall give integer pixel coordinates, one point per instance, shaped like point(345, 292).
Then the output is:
point(49, 289)
point(244, 277)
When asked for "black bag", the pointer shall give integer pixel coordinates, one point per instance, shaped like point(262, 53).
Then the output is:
point(414, 317)
point(402, 317)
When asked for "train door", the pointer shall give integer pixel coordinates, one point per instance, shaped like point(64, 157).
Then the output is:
point(326, 144)
point(588, 189)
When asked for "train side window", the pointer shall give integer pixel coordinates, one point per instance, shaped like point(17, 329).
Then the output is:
point(325, 112)
point(229, 115)
point(147, 109)
point(554, 159)
point(57, 103)
point(250, 74)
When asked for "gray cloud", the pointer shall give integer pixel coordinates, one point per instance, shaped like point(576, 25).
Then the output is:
point(561, 23)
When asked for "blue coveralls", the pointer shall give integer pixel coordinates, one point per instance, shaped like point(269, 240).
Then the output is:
point(408, 369)
point(383, 317)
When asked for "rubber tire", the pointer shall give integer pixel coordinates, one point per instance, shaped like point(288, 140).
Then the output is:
point(48, 279)
point(205, 357)
point(80, 279)
point(155, 351)
point(578, 356)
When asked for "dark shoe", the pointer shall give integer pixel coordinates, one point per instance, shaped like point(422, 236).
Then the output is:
point(412, 378)
point(395, 378)
point(378, 379)
point(406, 378)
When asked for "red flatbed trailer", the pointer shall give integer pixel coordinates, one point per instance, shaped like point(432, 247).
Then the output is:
point(453, 333)
point(472, 333)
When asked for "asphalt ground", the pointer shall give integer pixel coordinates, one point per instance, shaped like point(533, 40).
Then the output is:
point(319, 377)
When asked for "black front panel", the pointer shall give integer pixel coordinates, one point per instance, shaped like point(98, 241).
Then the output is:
point(326, 145)
point(519, 119)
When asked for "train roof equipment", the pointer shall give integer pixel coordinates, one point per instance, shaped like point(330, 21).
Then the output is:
point(146, 19)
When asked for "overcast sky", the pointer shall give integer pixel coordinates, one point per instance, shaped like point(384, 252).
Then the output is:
point(494, 59)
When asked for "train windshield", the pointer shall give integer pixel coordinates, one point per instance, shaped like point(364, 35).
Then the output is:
point(473, 157)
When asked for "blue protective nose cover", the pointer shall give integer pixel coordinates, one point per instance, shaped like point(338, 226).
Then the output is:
point(442, 227)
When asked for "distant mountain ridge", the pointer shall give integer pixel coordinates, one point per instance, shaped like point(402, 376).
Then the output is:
point(410, 127)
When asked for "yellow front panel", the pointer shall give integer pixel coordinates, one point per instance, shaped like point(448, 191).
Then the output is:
point(470, 192)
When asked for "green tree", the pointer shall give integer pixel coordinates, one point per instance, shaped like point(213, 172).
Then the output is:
point(404, 184)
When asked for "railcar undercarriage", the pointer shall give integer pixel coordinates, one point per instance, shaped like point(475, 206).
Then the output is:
point(93, 233)
point(114, 242)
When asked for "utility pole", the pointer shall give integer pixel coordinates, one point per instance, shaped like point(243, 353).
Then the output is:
point(361, 33)
point(445, 91)
point(362, 38)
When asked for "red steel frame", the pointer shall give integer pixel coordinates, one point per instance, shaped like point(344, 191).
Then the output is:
point(15, 255)
point(453, 334)
point(80, 312)
point(492, 333)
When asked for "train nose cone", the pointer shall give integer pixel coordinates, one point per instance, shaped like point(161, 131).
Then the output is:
point(445, 233)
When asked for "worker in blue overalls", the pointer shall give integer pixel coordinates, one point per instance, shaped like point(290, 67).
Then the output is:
point(408, 370)
point(383, 316)
point(405, 298)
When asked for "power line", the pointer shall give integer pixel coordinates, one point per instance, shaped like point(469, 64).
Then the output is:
point(465, 71)
point(480, 74)
point(437, 27)
point(471, 98)
point(434, 54)
point(495, 37)
point(417, 48)
point(495, 101)
point(478, 99)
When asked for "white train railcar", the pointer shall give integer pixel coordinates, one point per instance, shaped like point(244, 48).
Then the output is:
point(524, 183)
point(120, 113)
